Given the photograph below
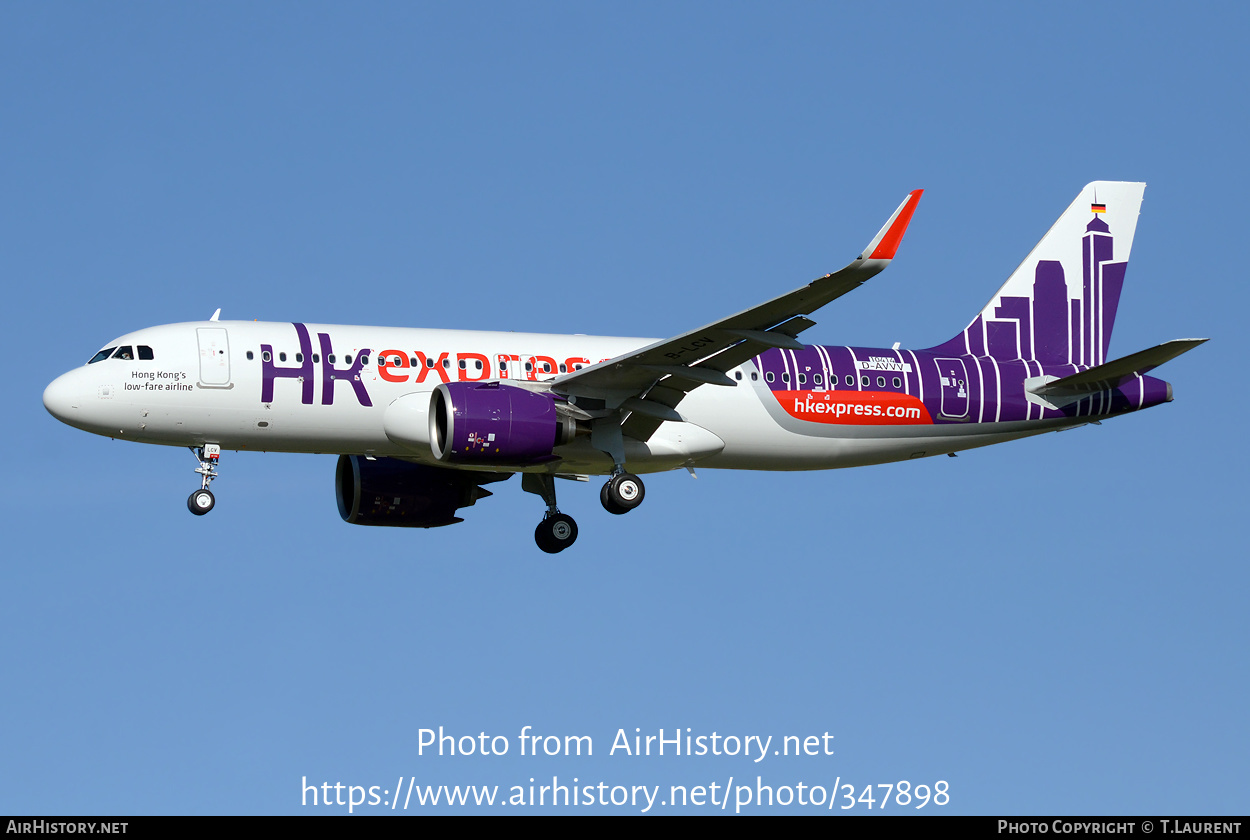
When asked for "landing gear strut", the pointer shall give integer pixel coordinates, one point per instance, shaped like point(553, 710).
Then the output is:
point(622, 493)
point(557, 531)
point(201, 501)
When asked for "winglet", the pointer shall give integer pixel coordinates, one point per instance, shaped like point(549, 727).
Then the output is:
point(886, 242)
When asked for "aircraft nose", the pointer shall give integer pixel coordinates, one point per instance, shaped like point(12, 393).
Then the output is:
point(62, 398)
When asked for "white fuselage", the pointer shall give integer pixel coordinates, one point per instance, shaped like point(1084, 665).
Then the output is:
point(205, 383)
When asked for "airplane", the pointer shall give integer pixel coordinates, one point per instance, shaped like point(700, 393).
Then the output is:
point(423, 419)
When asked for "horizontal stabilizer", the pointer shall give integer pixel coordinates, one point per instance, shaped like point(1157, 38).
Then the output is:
point(1113, 374)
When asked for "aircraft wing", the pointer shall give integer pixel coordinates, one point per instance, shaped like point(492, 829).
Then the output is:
point(650, 382)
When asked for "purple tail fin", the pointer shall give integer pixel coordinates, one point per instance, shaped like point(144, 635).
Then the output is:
point(1059, 306)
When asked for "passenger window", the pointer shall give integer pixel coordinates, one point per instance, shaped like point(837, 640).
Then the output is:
point(802, 378)
point(347, 360)
point(738, 375)
point(282, 357)
point(102, 355)
point(865, 381)
point(264, 357)
point(562, 367)
point(768, 377)
point(299, 357)
point(446, 363)
point(816, 379)
point(850, 380)
point(755, 377)
point(316, 358)
point(413, 362)
point(880, 381)
point(898, 383)
point(462, 364)
point(145, 353)
point(364, 360)
point(249, 355)
point(330, 358)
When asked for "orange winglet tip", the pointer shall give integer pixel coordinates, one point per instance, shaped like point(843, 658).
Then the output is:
point(889, 243)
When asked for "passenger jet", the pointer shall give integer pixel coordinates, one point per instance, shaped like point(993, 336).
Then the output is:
point(422, 420)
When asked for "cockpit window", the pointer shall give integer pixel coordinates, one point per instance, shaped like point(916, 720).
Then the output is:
point(125, 353)
point(102, 355)
point(145, 353)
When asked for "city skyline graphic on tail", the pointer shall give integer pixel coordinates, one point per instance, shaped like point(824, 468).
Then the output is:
point(423, 419)
point(1034, 316)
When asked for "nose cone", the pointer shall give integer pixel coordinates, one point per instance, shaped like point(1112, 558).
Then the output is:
point(63, 398)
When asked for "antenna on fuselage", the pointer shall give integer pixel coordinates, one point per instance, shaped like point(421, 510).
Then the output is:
point(215, 314)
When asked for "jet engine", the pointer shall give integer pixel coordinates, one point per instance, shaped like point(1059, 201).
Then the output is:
point(385, 491)
point(492, 423)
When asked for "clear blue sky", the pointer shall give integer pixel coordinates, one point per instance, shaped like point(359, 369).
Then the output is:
point(1052, 625)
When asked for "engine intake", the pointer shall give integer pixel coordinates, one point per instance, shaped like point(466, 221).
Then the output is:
point(492, 423)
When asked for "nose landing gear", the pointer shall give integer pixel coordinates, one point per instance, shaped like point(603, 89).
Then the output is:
point(201, 501)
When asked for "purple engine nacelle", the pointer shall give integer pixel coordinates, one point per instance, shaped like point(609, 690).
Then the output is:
point(384, 491)
point(492, 423)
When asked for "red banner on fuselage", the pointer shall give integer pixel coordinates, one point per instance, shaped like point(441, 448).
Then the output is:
point(854, 408)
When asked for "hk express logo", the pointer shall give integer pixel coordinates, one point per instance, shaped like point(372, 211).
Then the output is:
point(394, 366)
point(304, 370)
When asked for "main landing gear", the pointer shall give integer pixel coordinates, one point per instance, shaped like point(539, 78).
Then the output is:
point(557, 531)
point(201, 501)
point(622, 493)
